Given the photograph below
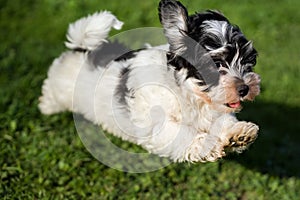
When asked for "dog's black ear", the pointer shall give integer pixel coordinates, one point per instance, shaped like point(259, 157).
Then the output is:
point(174, 17)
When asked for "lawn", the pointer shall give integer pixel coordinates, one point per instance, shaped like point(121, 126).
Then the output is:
point(42, 157)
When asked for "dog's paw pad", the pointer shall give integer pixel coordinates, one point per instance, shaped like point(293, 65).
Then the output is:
point(242, 135)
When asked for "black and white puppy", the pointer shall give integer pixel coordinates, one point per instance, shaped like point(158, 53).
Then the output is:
point(178, 101)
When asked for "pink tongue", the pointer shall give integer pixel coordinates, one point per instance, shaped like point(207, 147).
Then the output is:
point(234, 105)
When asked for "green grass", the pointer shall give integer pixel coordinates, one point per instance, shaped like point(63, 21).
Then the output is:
point(43, 158)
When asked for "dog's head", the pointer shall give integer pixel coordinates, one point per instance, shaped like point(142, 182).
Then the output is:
point(211, 56)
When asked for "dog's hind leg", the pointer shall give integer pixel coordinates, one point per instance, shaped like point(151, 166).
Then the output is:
point(58, 88)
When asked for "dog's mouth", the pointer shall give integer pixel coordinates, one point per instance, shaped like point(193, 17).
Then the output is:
point(234, 105)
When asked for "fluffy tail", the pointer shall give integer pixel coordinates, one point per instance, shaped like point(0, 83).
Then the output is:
point(89, 32)
point(85, 34)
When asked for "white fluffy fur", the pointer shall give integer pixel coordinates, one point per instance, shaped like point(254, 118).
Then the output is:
point(162, 118)
point(89, 32)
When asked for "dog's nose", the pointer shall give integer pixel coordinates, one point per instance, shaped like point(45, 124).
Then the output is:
point(243, 90)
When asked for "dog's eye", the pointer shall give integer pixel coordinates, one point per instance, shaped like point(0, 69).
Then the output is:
point(223, 72)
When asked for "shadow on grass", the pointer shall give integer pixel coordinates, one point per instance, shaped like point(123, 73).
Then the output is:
point(277, 150)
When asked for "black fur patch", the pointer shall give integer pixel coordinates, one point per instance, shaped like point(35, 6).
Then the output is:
point(122, 90)
point(199, 18)
point(195, 31)
point(202, 69)
point(235, 39)
point(128, 55)
point(172, 6)
point(80, 50)
point(106, 53)
point(179, 63)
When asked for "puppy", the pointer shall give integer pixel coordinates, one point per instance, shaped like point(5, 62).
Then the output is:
point(177, 101)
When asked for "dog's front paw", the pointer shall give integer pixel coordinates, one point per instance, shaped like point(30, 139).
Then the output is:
point(241, 135)
point(205, 148)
